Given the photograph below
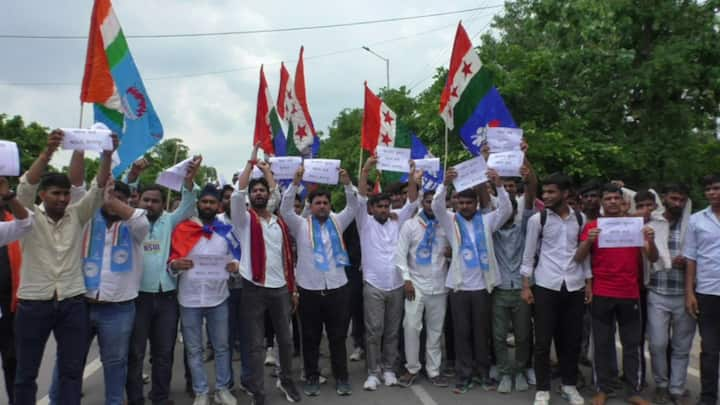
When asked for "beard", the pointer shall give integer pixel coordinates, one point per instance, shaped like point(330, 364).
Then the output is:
point(110, 218)
point(206, 215)
point(259, 203)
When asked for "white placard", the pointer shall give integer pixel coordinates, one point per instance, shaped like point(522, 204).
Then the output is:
point(620, 232)
point(174, 177)
point(284, 168)
point(393, 159)
point(470, 173)
point(428, 165)
point(502, 139)
point(9, 159)
point(208, 267)
point(94, 139)
point(323, 171)
point(507, 164)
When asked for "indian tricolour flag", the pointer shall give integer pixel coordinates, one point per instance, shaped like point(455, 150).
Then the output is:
point(380, 126)
point(469, 102)
point(112, 82)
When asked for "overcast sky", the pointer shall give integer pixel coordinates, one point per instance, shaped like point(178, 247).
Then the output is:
point(214, 113)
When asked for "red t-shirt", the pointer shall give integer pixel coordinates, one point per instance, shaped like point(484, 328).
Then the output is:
point(616, 271)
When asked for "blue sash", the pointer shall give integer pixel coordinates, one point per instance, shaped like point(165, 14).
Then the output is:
point(121, 255)
point(225, 230)
point(423, 253)
point(474, 255)
point(339, 251)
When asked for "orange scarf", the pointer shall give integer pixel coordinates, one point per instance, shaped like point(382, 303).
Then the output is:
point(15, 258)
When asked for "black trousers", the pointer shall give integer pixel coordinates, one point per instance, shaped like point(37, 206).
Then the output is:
point(7, 348)
point(357, 314)
point(558, 316)
point(156, 320)
point(449, 335)
point(709, 325)
point(627, 313)
point(328, 308)
point(471, 316)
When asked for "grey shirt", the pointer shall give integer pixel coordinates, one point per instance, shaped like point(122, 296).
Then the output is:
point(509, 247)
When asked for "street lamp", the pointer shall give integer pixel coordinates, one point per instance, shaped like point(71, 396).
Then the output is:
point(387, 64)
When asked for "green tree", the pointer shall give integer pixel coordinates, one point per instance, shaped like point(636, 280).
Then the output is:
point(30, 139)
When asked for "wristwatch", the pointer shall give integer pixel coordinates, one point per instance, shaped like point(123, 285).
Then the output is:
point(9, 196)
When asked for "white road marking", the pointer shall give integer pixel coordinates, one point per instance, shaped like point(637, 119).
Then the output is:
point(90, 369)
point(423, 396)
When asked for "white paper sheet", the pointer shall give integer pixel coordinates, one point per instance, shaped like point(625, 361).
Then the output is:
point(470, 173)
point(428, 165)
point(502, 139)
point(173, 177)
point(620, 232)
point(393, 159)
point(285, 167)
point(507, 164)
point(94, 139)
point(322, 171)
point(208, 267)
point(9, 159)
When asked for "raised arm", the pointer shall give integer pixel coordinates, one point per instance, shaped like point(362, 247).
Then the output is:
point(503, 212)
point(244, 178)
point(412, 193)
point(106, 163)
point(439, 208)
point(287, 204)
point(76, 172)
point(188, 198)
point(531, 183)
point(364, 173)
point(346, 216)
point(33, 175)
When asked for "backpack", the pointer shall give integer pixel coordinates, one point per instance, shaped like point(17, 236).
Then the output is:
point(543, 220)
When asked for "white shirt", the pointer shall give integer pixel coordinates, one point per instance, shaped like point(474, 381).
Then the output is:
point(119, 287)
point(10, 231)
point(378, 242)
point(306, 275)
point(430, 278)
point(275, 272)
point(556, 264)
point(204, 293)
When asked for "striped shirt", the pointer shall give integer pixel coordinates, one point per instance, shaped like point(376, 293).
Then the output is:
point(671, 281)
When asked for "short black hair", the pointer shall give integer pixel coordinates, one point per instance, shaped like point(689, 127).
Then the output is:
point(122, 188)
point(319, 193)
point(376, 198)
point(710, 179)
point(59, 180)
point(154, 187)
point(644, 195)
point(675, 188)
point(468, 193)
point(396, 188)
point(610, 188)
point(255, 182)
point(428, 192)
point(560, 180)
point(592, 185)
point(227, 187)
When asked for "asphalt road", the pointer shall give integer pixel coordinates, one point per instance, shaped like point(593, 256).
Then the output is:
point(421, 393)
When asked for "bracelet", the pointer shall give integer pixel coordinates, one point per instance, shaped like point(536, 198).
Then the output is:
point(252, 161)
point(9, 196)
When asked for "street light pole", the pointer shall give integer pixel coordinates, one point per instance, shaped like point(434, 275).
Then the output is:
point(387, 65)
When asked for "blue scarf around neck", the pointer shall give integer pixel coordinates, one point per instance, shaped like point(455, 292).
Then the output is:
point(121, 255)
point(423, 253)
point(474, 255)
point(339, 251)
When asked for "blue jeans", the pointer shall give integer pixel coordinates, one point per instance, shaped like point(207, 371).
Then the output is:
point(34, 320)
point(238, 340)
point(112, 324)
point(217, 326)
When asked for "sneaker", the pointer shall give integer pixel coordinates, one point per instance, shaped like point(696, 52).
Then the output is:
point(407, 379)
point(637, 399)
point(521, 383)
point(389, 378)
point(542, 398)
point(288, 388)
point(201, 399)
point(343, 388)
point(439, 381)
point(530, 374)
point(357, 354)
point(371, 383)
point(224, 397)
point(463, 386)
point(270, 357)
point(311, 387)
point(571, 394)
point(505, 386)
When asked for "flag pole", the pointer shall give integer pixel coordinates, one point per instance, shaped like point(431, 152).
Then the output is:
point(81, 114)
point(167, 202)
point(360, 163)
point(446, 146)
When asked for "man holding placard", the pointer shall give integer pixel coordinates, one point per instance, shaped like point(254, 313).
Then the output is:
point(321, 279)
point(383, 290)
point(473, 272)
point(52, 286)
point(267, 270)
point(156, 307)
point(616, 262)
point(702, 285)
point(203, 251)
